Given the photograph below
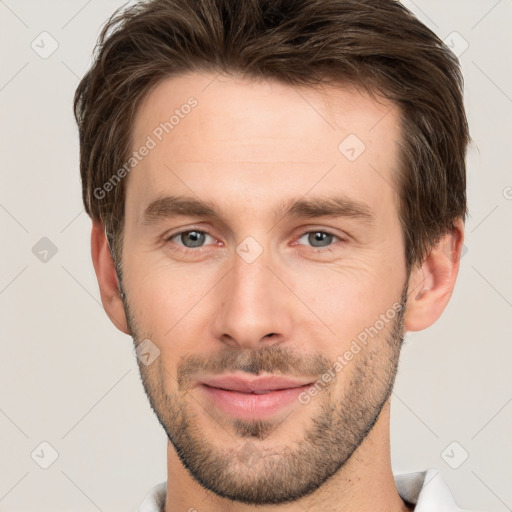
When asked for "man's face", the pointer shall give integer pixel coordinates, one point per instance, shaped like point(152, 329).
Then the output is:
point(258, 290)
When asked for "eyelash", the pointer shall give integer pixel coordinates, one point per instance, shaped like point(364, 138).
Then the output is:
point(182, 248)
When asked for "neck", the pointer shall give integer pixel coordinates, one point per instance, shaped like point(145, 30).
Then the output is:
point(364, 483)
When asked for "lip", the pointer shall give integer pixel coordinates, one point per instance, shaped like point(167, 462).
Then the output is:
point(254, 384)
point(253, 398)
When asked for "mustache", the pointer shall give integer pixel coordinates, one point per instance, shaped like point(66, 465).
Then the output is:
point(273, 359)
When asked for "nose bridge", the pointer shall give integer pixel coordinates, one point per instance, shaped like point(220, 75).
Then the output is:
point(250, 280)
point(252, 303)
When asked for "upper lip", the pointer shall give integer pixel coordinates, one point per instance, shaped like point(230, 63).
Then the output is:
point(248, 384)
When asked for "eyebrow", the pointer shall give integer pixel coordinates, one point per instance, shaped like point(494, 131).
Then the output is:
point(336, 206)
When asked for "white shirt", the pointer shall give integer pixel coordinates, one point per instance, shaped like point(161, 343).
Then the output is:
point(426, 490)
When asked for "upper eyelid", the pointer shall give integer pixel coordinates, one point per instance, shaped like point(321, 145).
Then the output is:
point(325, 231)
point(170, 233)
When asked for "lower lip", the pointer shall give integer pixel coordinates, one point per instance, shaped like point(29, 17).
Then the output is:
point(251, 406)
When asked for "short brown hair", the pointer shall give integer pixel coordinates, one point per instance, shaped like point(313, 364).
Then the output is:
point(376, 45)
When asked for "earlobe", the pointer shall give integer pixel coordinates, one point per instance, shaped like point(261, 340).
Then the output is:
point(107, 278)
point(431, 284)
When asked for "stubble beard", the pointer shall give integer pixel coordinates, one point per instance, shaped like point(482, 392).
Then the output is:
point(251, 469)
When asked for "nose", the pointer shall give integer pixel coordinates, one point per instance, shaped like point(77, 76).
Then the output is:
point(253, 305)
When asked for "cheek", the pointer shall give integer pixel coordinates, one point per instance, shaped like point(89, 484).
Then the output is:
point(172, 301)
point(348, 300)
point(175, 302)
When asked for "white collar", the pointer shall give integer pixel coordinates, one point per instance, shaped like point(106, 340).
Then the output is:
point(426, 489)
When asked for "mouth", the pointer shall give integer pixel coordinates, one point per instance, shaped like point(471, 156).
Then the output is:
point(258, 385)
point(259, 392)
point(255, 398)
point(255, 392)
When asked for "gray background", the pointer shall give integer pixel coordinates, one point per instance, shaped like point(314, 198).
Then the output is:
point(69, 378)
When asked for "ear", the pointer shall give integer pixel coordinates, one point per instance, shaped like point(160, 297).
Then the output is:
point(107, 277)
point(431, 283)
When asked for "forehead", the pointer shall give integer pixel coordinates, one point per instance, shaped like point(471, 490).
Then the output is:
point(224, 133)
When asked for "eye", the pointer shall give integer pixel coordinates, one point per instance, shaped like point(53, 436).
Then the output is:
point(190, 239)
point(319, 239)
point(195, 238)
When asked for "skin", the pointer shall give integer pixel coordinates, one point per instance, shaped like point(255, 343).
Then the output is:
point(248, 147)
